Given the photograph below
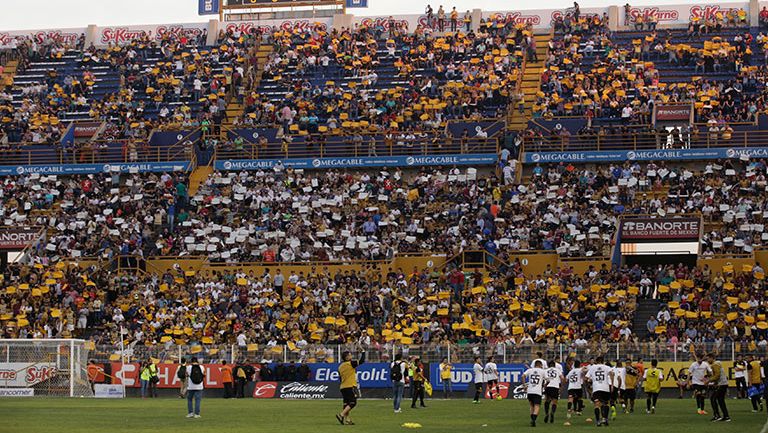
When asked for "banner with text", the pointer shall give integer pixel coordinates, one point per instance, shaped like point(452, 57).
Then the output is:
point(296, 390)
point(369, 375)
point(644, 155)
point(660, 229)
point(120, 35)
point(24, 374)
point(268, 26)
point(462, 376)
point(117, 167)
point(16, 238)
point(354, 162)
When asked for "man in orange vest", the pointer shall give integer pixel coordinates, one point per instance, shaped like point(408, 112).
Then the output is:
point(226, 379)
point(95, 374)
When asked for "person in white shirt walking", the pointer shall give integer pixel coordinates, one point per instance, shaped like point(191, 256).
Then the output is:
point(195, 379)
point(477, 369)
point(601, 378)
point(575, 378)
point(491, 373)
point(535, 379)
point(698, 376)
point(555, 381)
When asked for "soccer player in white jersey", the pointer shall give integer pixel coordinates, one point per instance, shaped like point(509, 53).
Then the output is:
point(535, 379)
point(575, 378)
point(601, 378)
point(477, 369)
point(618, 374)
point(698, 376)
point(555, 381)
point(491, 373)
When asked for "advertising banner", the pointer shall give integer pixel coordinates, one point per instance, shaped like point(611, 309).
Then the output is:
point(660, 229)
point(296, 390)
point(671, 113)
point(369, 375)
point(128, 374)
point(644, 155)
point(68, 36)
point(69, 169)
point(207, 7)
point(17, 392)
point(125, 34)
point(682, 14)
point(24, 374)
point(462, 376)
point(16, 238)
point(86, 129)
point(101, 390)
point(267, 26)
point(352, 162)
point(357, 3)
point(673, 371)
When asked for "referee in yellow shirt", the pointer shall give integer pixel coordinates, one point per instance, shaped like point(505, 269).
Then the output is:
point(349, 388)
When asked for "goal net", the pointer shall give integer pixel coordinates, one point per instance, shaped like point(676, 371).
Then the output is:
point(55, 368)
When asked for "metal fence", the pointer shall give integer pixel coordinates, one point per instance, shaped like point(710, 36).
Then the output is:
point(457, 353)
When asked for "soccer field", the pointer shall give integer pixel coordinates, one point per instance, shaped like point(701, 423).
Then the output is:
point(249, 415)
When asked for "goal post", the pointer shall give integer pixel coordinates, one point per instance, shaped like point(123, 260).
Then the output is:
point(46, 368)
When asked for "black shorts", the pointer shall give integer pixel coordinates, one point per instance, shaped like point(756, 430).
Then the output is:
point(601, 396)
point(349, 396)
point(700, 388)
point(614, 394)
point(534, 398)
point(478, 386)
point(552, 393)
point(492, 382)
point(575, 393)
point(628, 394)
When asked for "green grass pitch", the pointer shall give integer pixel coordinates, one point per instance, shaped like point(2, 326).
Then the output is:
point(249, 415)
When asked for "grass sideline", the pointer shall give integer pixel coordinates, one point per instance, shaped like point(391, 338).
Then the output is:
point(248, 415)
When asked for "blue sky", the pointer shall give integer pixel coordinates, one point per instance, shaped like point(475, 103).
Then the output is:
point(20, 15)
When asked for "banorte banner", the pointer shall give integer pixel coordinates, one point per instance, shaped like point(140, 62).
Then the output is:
point(266, 26)
point(120, 35)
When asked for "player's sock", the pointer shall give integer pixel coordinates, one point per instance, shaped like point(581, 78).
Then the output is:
point(546, 409)
point(533, 417)
point(569, 406)
point(552, 414)
point(597, 414)
point(605, 412)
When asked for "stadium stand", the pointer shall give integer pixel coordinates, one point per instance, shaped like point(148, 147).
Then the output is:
point(301, 209)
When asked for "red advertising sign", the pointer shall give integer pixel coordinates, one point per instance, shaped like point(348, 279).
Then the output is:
point(17, 238)
point(681, 112)
point(86, 129)
point(660, 229)
point(503, 390)
point(128, 375)
point(264, 389)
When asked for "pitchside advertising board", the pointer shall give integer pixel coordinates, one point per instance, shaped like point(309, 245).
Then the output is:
point(463, 378)
point(24, 374)
point(644, 155)
point(384, 161)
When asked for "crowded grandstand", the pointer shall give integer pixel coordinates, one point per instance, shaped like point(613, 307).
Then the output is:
point(552, 185)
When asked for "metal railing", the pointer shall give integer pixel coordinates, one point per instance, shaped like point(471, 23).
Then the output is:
point(91, 154)
point(456, 353)
point(642, 141)
point(350, 148)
